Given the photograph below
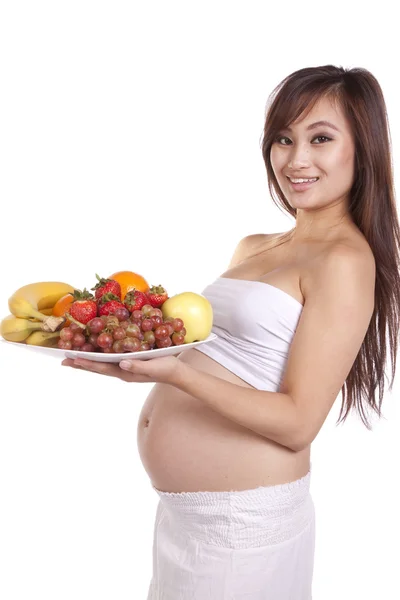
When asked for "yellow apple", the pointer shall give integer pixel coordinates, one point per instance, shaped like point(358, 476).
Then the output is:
point(194, 310)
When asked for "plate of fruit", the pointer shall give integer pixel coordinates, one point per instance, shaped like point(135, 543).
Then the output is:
point(120, 317)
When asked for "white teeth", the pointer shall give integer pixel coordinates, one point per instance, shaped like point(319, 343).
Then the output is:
point(302, 180)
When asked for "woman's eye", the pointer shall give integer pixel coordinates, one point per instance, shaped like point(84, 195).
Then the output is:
point(281, 139)
point(322, 137)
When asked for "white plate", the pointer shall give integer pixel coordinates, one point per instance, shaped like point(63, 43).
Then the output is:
point(112, 358)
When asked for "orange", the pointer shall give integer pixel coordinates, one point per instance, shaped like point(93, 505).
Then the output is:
point(129, 280)
point(61, 307)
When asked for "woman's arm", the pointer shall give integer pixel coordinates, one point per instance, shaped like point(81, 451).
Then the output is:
point(335, 318)
point(271, 414)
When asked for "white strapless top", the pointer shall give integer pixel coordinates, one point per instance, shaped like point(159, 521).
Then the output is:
point(255, 323)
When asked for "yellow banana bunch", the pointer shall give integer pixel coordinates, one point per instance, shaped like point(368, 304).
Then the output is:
point(28, 302)
point(14, 329)
point(43, 338)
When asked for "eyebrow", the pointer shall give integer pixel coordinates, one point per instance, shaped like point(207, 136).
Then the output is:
point(317, 124)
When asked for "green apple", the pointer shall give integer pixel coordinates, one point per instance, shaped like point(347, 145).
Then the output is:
point(194, 310)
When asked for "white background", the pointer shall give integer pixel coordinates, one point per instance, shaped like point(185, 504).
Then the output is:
point(130, 139)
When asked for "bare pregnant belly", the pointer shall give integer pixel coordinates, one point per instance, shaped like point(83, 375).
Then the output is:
point(185, 446)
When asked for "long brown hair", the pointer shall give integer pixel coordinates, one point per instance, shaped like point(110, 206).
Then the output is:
point(372, 207)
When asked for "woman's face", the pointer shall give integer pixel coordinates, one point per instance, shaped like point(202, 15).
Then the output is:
point(311, 150)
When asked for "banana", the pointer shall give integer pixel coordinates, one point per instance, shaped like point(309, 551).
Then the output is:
point(47, 311)
point(43, 338)
point(14, 329)
point(29, 300)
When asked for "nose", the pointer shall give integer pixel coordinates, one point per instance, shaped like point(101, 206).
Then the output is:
point(299, 157)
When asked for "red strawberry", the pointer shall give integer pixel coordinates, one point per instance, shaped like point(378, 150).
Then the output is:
point(157, 295)
point(134, 300)
point(106, 286)
point(84, 307)
point(108, 304)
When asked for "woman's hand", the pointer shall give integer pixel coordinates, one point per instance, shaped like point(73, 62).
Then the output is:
point(159, 370)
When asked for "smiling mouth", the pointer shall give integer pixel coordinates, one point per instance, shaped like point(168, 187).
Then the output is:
point(301, 180)
point(303, 185)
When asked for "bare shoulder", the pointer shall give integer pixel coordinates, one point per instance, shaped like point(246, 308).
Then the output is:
point(346, 260)
point(248, 246)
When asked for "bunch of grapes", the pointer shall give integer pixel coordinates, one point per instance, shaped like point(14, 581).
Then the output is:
point(123, 331)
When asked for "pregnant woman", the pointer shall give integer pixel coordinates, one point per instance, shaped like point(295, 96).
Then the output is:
point(226, 432)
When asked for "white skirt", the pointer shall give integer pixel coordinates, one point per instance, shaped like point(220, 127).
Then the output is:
point(254, 544)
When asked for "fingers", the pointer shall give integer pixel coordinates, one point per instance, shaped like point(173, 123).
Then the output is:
point(91, 365)
point(97, 367)
point(109, 369)
point(131, 372)
point(67, 362)
point(127, 365)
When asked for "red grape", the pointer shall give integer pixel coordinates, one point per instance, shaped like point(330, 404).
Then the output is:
point(178, 324)
point(161, 332)
point(131, 344)
point(133, 330)
point(156, 320)
point(178, 338)
point(122, 313)
point(164, 342)
point(155, 312)
point(66, 333)
point(146, 309)
point(96, 325)
point(119, 333)
point(149, 337)
point(145, 346)
point(170, 327)
point(105, 340)
point(118, 346)
point(147, 325)
point(137, 315)
point(74, 327)
point(88, 348)
point(78, 340)
point(64, 344)
point(92, 339)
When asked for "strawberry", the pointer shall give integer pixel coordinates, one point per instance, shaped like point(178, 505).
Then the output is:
point(84, 307)
point(108, 304)
point(106, 286)
point(157, 295)
point(134, 300)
